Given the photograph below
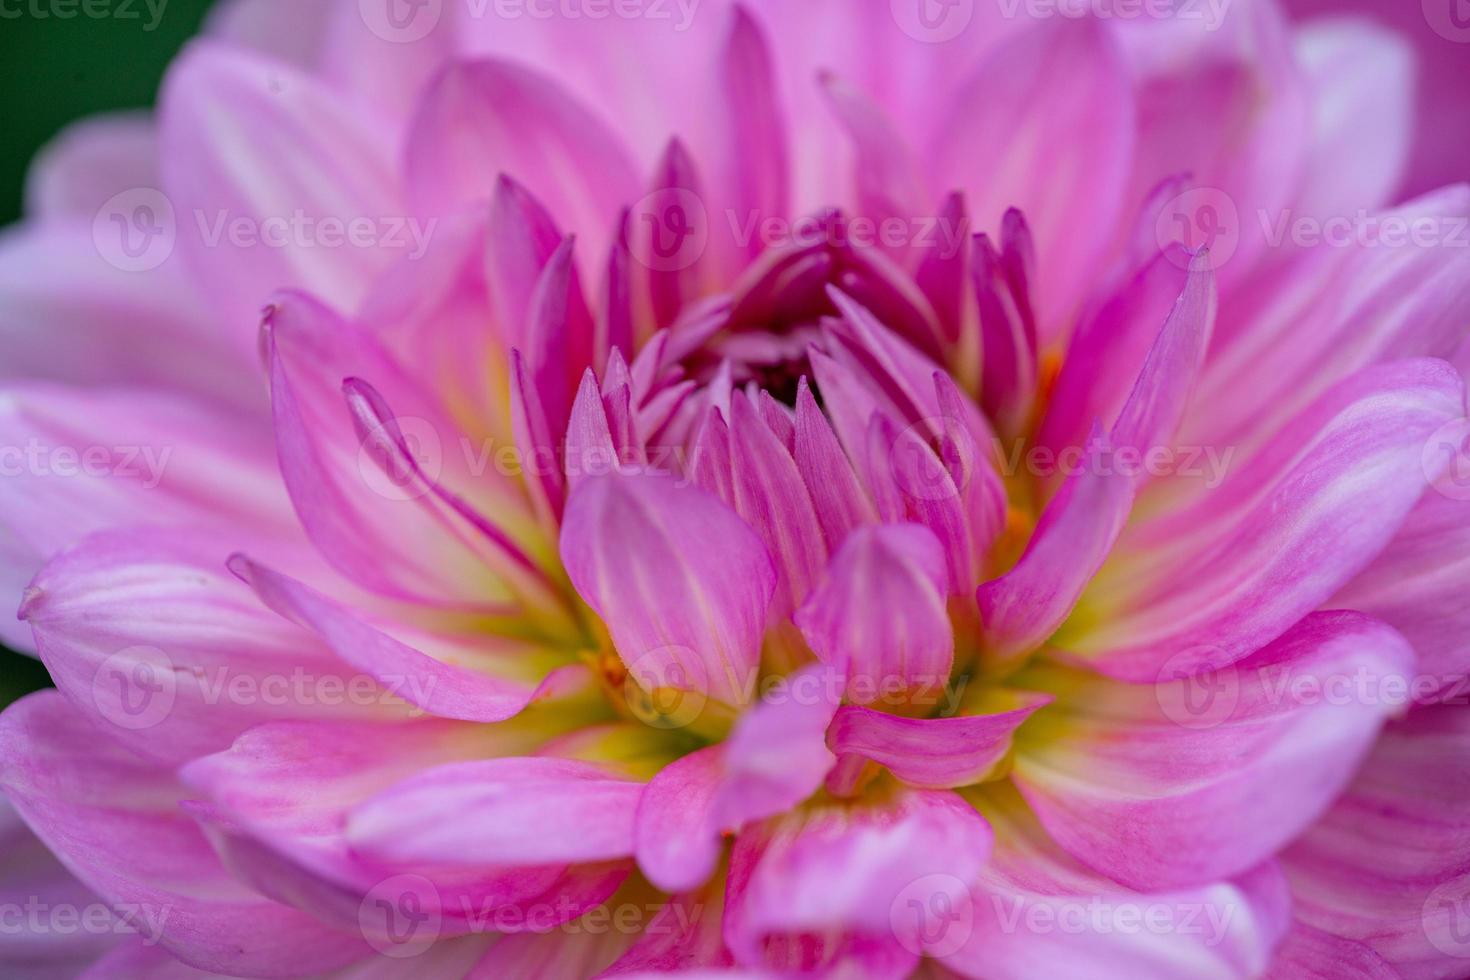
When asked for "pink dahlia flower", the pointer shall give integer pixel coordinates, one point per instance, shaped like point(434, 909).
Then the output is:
point(746, 488)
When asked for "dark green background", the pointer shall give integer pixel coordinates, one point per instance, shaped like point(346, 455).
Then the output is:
point(54, 70)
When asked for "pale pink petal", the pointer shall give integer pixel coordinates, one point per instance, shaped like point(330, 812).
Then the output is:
point(681, 581)
point(90, 161)
point(527, 811)
point(116, 823)
point(1227, 574)
point(675, 837)
point(1311, 954)
point(1198, 777)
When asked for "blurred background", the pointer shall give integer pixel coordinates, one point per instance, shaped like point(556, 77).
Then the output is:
point(56, 65)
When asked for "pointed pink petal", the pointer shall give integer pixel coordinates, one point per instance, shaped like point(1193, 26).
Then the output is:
point(880, 617)
point(682, 583)
point(675, 837)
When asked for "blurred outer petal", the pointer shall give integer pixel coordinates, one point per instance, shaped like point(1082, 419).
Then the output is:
point(68, 314)
point(31, 873)
point(1108, 351)
point(1072, 539)
point(152, 639)
point(246, 139)
point(1198, 777)
point(682, 583)
point(1037, 912)
point(932, 753)
point(115, 822)
point(813, 888)
point(682, 937)
point(78, 171)
point(879, 618)
point(1311, 954)
point(86, 460)
point(1221, 577)
point(1045, 124)
point(135, 959)
point(1418, 585)
point(443, 689)
point(1361, 81)
point(390, 73)
point(1397, 287)
point(1389, 865)
point(509, 811)
point(291, 30)
point(572, 951)
point(1441, 150)
point(482, 119)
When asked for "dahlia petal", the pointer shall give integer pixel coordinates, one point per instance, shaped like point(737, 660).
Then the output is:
point(482, 119)
point(290, 30)
point(569, 952)
point(822, 885)
point(777, 754)
point(93, 460)
point(1389, 866)
point(879, 618)
point(1311, 954)
point(154, 641)
point(386, 73)
point(768, 492)
point(683, 937)
point(1072, 539)
point(442, 689)
point(1207, 775)
point(1107, 353)
point(1417, 586)
point(932, 753)
point(527, 811)
point(559, 336)
point(887, 180)
point(1036, 909)
point(546, 481)
point(523, 238)
point(675, 837)
point(1361, 130)
point(1159, 398)
point(839, 499)
point(1053, 100)
point(135, 959)
point(114, 821)
point(1370, 298)
point(67, 314)
point(682, 583)
point(90, 161)
point(1232, 571)
point(248, 139)
point(589, 445)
